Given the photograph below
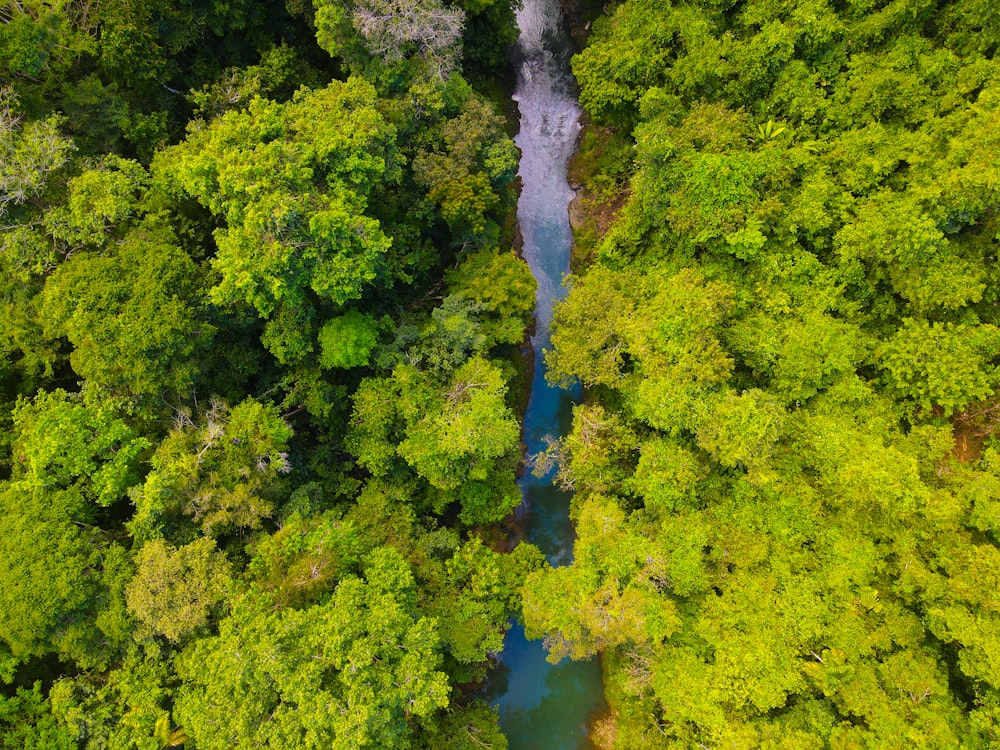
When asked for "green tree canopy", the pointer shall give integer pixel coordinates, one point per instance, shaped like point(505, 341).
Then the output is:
point(222, 471)
point(133, 318)
point(175, 590)
point(345, 674)
point(291, 182)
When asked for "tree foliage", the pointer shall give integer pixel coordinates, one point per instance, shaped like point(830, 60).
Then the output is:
point(784, 336)
point(291, 181)
point(174, 590)
point(223, 226)
point(347, 673)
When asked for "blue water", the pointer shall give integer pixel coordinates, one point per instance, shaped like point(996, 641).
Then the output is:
point(544, 706)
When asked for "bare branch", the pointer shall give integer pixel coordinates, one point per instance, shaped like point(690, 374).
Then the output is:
point(390, 27)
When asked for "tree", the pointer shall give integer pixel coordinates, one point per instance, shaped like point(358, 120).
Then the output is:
point(472, 598)
point(63, 442)
point(28, 723)
point(457, 441)
point(460, 436)
point(222, 471)
point(175, 590)
point(893, 233)
point(123, 707)
point(347, 340)
point(799, 356)
point(133, 318)
point(741, 429)
point(100, 203)
point(471, 727)
point(939, 364)
point(423, 32)
point(666, 474)
point(29, 153)
point(302, 561)
point(650, 338)
point(596, 456)
point(431, 30)
point(51, 563)
point(348, 673)
point(465, 176)
point(606, 598)
point(291, 182)
point(502, 289)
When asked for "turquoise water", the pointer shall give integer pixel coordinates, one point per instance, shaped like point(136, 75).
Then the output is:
point(544, 706)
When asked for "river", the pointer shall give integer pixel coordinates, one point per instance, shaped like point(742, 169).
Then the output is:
point(544, 706)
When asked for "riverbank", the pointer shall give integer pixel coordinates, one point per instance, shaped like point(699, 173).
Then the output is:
point(580, 16)
point(599, 173)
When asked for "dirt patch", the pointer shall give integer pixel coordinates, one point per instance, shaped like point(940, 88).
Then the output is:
point(579, 15)
point(604, 733)
point(968, 444)
point(973, 426)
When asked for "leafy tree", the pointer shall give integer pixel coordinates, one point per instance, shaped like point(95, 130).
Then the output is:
point(939, 364)
point(665, 357)
point(501, 287)
point(465, 176)
point(124, 707)
point(175, 590)
point(799, 356)
point(596, 455)
point(347, 341)
point(460, 436)
point(133, 317)
point(52, 578)
point(28, 723)
point(291, 181)
point(222, 471)
point(30, 151)
point(741, 429)
point(452, 335)
point(470, 727)
point(605, 598)
point(921, 264)
point(666, 474)
point(300, 563)
point(346, 673)
point(65, 443)
point(473, 598)
point(100, 203)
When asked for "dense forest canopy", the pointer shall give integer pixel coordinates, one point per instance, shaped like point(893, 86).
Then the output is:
point(786, 479)
point(259, 337)
point(260, 373)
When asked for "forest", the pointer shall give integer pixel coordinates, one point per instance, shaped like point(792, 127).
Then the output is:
point(262, 369)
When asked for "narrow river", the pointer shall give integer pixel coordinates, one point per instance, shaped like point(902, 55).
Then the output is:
point(544, 706)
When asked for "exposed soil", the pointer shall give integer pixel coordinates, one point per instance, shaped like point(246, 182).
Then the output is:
point(972, 427)
point(579, 15)
point(604, 732)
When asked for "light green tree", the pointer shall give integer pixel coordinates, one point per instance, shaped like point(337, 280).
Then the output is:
point(175, 591)
point(350, 673)
point(939, 364)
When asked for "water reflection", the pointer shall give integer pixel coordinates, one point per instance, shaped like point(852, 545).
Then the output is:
point(546, 706)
